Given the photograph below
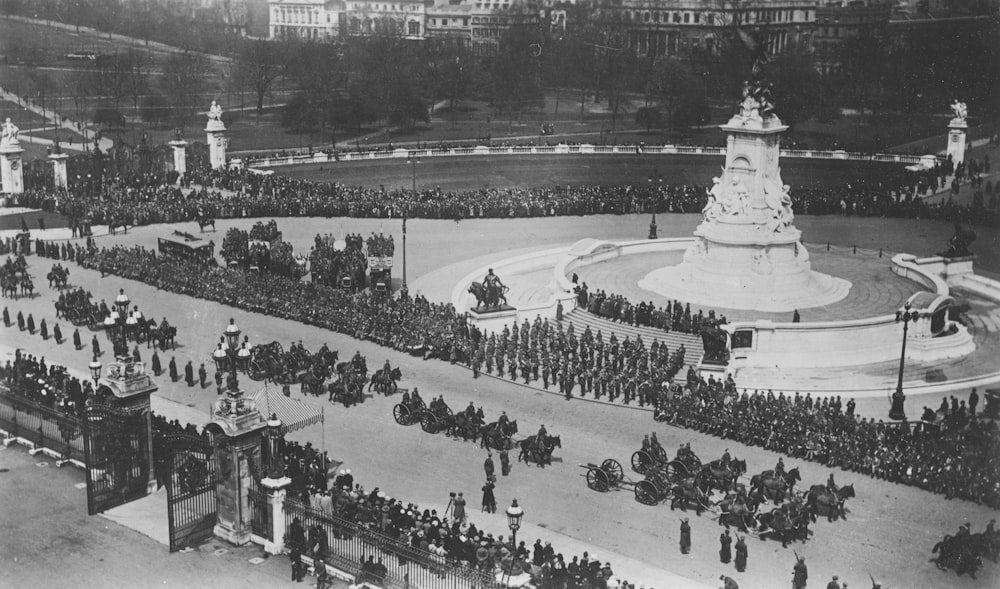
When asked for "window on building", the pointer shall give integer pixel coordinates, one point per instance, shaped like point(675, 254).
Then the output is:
point(413, 28)
point(687, 17)
point(697, 17)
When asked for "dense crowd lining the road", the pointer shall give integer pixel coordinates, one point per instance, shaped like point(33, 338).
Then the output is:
point(237, 192)
point(674, 317)
point(959, 458)
point(957, 454)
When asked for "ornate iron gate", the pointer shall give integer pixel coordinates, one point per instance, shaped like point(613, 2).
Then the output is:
point(116, 443)
point(191, 507)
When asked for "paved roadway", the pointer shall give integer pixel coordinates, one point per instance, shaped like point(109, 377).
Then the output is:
point(890, 528)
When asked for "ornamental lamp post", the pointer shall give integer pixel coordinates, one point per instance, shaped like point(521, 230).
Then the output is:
point(275, 468)
point(656, 200)
point(122, 302)
point(905, 316)
point(514, 515)
point(404, 292)
point(227, 353)
point(413, 161)
point(95, 370)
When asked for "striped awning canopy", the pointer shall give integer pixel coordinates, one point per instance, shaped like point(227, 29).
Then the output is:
point(294, 414)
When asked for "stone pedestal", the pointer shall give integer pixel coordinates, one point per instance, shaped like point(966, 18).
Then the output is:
point(748, 254)
point(180, 156)
point(216, 136)
point(956, 140)
point(11, 174)
point(236, 428)
point(277, 489)
point(493, 320)
point(131, 387)
point(59, 178)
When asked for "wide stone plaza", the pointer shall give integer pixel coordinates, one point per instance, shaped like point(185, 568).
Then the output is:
point(816, 305)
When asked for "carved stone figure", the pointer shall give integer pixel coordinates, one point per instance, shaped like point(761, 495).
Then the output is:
point(959, 108)
point(215, 112)
point(9, 133)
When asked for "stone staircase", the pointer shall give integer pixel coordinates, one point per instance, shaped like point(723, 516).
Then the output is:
point(692, 343)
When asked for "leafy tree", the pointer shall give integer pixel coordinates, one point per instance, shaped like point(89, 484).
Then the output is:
point(649, 117)
point(183, 83)
point(259, 64)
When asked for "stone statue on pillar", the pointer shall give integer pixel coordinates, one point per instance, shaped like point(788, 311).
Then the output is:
point(215, 112)
point(960, 110)
point(216, 137)
point(11, 174)
point(9, 134)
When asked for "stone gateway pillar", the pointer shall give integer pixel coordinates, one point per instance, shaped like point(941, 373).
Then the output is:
point(59, 178)
point(956, 132)
point(180, 156)
point(11, 174)
point(216, 137)
point(236, 429)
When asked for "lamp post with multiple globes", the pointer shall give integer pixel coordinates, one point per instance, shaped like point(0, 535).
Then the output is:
point(905, 316)
point(228, 355)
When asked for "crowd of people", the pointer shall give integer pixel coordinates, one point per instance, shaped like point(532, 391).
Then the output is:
point(49, 385)
point(674, 317)
point(957, 455)
point(329, 263)
point(238, 192)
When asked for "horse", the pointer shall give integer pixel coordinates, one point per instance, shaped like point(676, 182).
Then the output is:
point(819, 499)
point(58, 277)
point(736, 514)
point(205, 221)
point(311, 383)
point(775, 488)
point(384, 381)
point(958, 554)
point(785, 522)
point(160, 335)
point(9, 284)
point(27, 286)
point(538, 449)
point(495, 436)
point(485, 297)
point(118, 222)
point(464, 426)
point(689, 491)
point(715, 474)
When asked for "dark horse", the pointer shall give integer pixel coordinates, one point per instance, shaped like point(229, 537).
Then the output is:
point(775, 488)
point(539, 450)
point(384, 381)
point(715, 474)
point(821, 501)
point(496, 436)
point(205, 221)
point(487, 298)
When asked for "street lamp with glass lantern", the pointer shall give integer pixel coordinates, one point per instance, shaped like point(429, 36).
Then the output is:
point(227, 352)
point(897, 411)
point(122, 302)
point(658, 191)
point(514, 515)
point(95, 370)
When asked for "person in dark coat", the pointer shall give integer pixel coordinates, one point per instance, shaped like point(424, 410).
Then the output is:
point(504, 462)
point(685, 536)
point(57, 333)
point(489, 467)
point(157, 368)
point(218, 383)
point(6, 317)
point(726, 551)
point(189, 374)
point(741, 554)
point(95, 346)
point(973, 402)
point(800, 573)
point(43, 329)
point(20, 321)
point(295, 556)
point(796, 317)
point(202, 375)
point(31, 324)
point(729, 582)
point(77, 342)
point(172, 366)
point(489, 499)
point(135, 354)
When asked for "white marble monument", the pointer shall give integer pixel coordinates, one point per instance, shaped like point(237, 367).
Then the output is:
point(748, 253)
point(11, 174)
point(180, 155)
point(216, 137)
point(957, 128)
point(59, 176)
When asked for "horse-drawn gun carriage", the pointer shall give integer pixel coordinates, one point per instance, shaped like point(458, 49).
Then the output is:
point(649, 457)
point(409, 411)
point(266, 362)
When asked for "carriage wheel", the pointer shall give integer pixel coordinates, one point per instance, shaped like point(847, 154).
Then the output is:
point(401, 414)
point(614, 470)
point(678, 469)
point(641, 461)
point(428, 422)
point(448, 410)
point(597, 480)
point(659, 453)
point(645, 493)
point(256, 371)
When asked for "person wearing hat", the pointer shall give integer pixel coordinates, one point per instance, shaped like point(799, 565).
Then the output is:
point(834, 584)
point(741, 554)
point(725, 552)
point(458, 504)
point(489, 466)
point(685, 536)
point(504, 462)
point(800, 573)
point(489, 499)
point(729, 582)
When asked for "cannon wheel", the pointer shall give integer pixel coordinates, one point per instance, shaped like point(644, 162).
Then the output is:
point(428, 422)
point(641, 461)
point(448, 410)
point(645, 493)
point(679, 469)
point(613, 468)
point(401, 414)
point(597, 480)
point(659, 453)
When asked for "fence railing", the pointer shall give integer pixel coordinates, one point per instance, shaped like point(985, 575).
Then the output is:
point(350, 544)
point(42, 427)
point(483, 150)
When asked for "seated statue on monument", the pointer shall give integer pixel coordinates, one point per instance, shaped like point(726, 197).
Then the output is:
point(8, 137)
point(714, 207)
point(958, 244)
point(779, 203)
point(215, 112)
point(959, 108)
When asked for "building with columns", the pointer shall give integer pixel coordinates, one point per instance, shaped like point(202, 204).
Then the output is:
point(405, 18)
point(317, 20)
